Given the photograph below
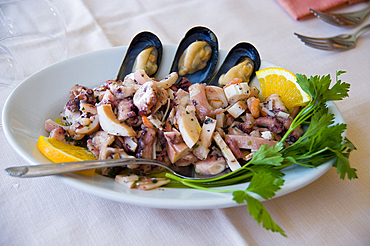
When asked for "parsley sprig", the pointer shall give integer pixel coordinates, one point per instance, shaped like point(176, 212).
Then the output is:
point(322, 141)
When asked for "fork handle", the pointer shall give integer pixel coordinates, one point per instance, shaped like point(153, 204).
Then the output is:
point(59, 168)
point(362, 31)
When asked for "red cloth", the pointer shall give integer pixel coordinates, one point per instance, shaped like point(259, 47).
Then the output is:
point(298, 9)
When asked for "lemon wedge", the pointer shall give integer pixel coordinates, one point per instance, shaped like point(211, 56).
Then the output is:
point(284, 83)
point(57, 152)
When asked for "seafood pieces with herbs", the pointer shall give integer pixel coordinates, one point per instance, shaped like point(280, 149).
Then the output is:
point(181, 124)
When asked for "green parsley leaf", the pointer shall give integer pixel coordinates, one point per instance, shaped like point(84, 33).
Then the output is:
point(268, 156)
point(342, 163)
point(258, 211)
point(266, 181)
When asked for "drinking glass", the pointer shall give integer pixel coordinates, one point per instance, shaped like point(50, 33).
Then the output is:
point(32, 36)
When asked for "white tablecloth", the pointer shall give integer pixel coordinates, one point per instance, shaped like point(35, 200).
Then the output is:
point(330, 211)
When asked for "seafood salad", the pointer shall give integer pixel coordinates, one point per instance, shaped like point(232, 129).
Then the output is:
point(190, 117)
point(210, 127)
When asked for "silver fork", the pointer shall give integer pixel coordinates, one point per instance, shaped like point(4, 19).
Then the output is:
point(340, 42)
point(345, 19)
point(67, 167)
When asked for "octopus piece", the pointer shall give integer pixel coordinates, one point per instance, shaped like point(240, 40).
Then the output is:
point(108, 98)
point(141, 77)
point(173, 137)
point(60, 134)
point(254, 91)
point(255, 133)
point(244, 127)
point(183, 84)
point(272, 123)
point(211, 166)
point(216, 94)
point(127, 180)
point(76, 90)
point(249, 120)
point(248, 142)
point(229, 119)
point(182, 99)
point(145, 144)
point(151, 183)
point(126, 111)
point(129, 144)
point(167, 81)
point(79, 119)
point(198, 97)
point(294, 111)
point(113, 153)
point(201, 149)
point(101, 140)
point(296, 133)
point(277, 103)
point(175, 146)
point(121, 92)
point(233, 145)
point(70, 113)
point(236, 129)
point(146, 97)
point(87, 96)
point(86, 125)
point(51, 125)
point(186, 160)
point(88, 108)
point(162, 99)
point(163, 157)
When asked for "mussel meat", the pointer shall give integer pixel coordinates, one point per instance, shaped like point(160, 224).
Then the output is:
point(242, 61)
point(196, 56)
point(144, 52)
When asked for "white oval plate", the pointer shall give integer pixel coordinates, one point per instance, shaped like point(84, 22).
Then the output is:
point(43, 96)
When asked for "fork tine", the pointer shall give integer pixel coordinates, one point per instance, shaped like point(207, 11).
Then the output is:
point(327, 46)
point(317, 44)
point(309, 38)
point(321, 15)
point(313, 41)
point(322, 43)
point(316, 13)
point(325, 17)
point(321, 47)
point(325, 43)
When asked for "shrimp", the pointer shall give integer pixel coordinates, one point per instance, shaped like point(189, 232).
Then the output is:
point(254, 106)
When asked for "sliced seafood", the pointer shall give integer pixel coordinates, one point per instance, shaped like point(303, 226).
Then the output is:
point(144, 52)
point(242, 61)
point(196, 56)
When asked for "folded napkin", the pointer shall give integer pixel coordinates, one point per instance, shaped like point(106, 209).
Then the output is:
point(298, 9)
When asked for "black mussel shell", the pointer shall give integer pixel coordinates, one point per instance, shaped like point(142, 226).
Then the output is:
point(140, 42)
point(198, 33)
point(237, 54)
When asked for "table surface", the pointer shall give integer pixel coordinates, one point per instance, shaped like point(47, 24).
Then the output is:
point(330, 211)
